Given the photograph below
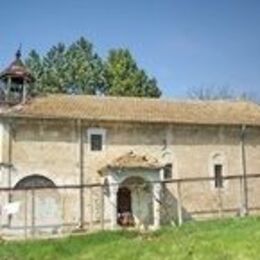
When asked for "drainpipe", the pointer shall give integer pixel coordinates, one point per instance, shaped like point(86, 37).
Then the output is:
point(243, 160)
point(81, 172)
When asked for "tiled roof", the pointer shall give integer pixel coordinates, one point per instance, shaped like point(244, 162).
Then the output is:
point(127, 109)
point(132, 161)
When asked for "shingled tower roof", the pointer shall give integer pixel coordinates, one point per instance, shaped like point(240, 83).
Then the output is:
point(17, 70)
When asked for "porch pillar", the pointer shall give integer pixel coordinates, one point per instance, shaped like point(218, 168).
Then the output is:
point(156, 205)
point(113, 203)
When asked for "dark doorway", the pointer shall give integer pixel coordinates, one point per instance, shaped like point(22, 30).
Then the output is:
point(124, 209)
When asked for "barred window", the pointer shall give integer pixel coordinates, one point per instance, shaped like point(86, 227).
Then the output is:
point(167, 173)
point(96, 141)
point(218, 175)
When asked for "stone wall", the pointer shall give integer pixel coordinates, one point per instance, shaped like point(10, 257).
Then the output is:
point(52, 148)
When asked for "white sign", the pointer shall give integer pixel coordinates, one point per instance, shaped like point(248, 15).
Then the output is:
point(11, 208)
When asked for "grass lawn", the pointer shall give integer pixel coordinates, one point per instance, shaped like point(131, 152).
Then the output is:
point(221, 239)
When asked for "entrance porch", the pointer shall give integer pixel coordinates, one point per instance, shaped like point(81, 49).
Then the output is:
point(133, 191)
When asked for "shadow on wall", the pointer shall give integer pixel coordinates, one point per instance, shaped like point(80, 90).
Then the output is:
point(169, 211)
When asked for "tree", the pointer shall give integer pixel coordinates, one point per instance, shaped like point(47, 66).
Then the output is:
point(76, 69)
point(124, 78)
point(86, 68)
point(34, 63)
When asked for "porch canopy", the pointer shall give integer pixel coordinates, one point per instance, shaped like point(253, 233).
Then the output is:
point(132, 160)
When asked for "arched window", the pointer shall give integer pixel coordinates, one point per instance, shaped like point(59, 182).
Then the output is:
point(167, 171)
point(170, 167)
point(218, 170)
point(34, 181)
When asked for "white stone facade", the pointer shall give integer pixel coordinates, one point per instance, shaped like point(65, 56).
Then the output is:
point(51, 148)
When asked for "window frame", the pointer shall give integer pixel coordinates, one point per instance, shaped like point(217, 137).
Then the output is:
point(218, 158)
point(168, 166)
point(96, 131)
point(218, 176)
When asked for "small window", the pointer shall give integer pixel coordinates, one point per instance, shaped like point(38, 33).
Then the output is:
point(96, 142)
point(167, 173)
point(96, 139)
point(218, 175)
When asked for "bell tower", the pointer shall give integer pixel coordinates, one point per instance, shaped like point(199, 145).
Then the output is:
point(15, 81)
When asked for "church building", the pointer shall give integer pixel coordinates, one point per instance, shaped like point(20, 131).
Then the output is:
point(80, 161)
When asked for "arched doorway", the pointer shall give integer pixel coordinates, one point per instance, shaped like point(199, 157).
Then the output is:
point(134, 202)
point(40, 204)
point(124, 207)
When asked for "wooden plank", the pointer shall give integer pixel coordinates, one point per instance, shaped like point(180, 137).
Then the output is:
point(102, 207)
point(244, 168)
point(196, 179)
point(25, 214)
point(242, 200)
point(220, 202)
point(91, 208)
point(33, 213)
point(179, 204)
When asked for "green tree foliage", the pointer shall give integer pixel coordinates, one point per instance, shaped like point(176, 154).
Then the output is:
point(124, 78)
point(34, 63)
point(78, 69)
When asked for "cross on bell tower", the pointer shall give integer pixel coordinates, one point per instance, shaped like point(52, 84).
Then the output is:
point(14, 82)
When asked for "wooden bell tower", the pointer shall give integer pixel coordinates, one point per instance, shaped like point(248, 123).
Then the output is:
point(14, 82)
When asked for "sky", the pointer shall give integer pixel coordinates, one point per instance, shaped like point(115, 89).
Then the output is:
point(184, 44)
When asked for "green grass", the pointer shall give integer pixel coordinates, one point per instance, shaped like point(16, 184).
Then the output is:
point(223, 239)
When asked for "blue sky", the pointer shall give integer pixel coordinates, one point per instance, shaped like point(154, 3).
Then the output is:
point(182, 43)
